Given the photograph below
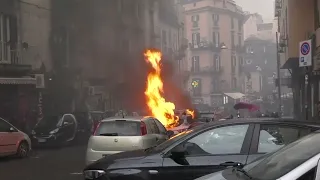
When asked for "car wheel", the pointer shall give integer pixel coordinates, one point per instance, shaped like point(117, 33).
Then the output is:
point(23, 150)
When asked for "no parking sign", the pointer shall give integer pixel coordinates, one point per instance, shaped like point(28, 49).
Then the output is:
point(305, 58)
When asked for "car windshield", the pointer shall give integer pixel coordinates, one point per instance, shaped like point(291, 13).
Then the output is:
point(119, 128)
point(286, 159)
point(49, 121)
point(172, 140)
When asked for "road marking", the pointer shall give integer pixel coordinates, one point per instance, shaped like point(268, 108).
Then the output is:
point(76, 173)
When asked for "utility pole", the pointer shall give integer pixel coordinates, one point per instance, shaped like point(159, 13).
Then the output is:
point(279, 78)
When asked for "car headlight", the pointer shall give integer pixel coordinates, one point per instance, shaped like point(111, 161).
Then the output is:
point(33, 132)
point(54, 131)
point(93, 174)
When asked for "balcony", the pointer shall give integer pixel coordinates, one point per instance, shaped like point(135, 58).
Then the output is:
point(12, 63)
point(207, 70)
point(202, 46)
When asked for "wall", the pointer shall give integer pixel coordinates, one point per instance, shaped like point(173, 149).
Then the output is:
point(35, 30)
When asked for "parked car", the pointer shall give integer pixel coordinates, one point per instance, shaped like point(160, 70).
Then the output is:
point(117, 134)
point(299, 160)
point(55, 130)
point(13, 141)
point(202, 150)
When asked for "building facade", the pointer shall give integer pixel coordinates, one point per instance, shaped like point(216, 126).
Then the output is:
point(259, 66)
point(299, 21)
point(215, 33)
point(24, 49)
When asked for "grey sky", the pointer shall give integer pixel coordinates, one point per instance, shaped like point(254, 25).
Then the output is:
point(263, 7)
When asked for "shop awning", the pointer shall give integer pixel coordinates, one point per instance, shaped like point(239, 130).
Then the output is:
point(235, 95)
point(17, 81)
point(291, 63)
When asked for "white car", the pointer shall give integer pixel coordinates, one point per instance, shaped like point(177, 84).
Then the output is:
point(118, 134)
point(299, 160)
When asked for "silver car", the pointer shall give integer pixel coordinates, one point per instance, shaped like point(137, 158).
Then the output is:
point(117, 134)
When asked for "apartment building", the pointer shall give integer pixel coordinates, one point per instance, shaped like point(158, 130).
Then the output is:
point(214, 29)
point(299, 21)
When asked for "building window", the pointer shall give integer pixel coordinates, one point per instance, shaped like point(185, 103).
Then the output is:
point(240, 40)
point(195, 38)
point(232, 23)
point(164, 44)
point(195, 64)
point(195, 21)
point(233, 64)
point(215, 85)
point(232, 40)
point(234, 83)
point(215, 19)
point(249, 50)
point(4, 38)
point(239, 26)
point(240, 60)
point(196, 86)
point(216, 39)
point(217, 62)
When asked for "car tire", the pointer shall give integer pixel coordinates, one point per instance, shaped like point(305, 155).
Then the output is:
point(23, 150)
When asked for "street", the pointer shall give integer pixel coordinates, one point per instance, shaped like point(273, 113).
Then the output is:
point(49, 164)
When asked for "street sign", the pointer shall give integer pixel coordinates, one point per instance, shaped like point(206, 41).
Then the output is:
point(305, 58)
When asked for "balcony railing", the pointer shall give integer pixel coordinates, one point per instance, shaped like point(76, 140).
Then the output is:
point(205, 46)
point(207, 70)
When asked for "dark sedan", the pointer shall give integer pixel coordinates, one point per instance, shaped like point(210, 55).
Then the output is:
point(202, 150)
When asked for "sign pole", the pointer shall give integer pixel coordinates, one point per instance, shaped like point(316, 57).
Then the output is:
point(306, 79)
point(305, 61)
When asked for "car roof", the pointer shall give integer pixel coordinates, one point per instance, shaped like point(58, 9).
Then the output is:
point(260, 120)
point(127, 118)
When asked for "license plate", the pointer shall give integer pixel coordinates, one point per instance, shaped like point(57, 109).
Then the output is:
point(42, 140)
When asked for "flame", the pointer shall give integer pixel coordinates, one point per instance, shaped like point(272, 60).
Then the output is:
point(191, 112)
point(159, 107)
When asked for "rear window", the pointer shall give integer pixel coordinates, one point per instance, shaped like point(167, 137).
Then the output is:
point(119, 128)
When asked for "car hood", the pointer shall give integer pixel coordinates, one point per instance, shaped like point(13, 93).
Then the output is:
point(124, 157)
point(44, 129)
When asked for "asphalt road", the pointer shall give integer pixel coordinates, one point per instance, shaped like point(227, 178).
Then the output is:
point(46, 164)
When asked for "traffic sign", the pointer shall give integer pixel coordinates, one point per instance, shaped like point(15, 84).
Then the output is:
point(305, 58)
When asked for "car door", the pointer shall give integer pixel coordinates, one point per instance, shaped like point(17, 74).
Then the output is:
point(207, 151)
point(163, 135)
point(69, 127)
point(269, 137)
point(8, 139)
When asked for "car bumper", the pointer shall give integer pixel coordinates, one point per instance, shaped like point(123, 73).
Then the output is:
point(93, 155)
point(45, 140)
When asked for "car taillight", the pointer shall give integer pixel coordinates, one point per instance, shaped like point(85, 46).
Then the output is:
point(143, 129)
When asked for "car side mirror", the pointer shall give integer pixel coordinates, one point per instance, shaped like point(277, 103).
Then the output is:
point(178, 152)
point(170, 133)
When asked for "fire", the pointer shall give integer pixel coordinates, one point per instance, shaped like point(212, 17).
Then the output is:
point(191, 112)
point(159, 107)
